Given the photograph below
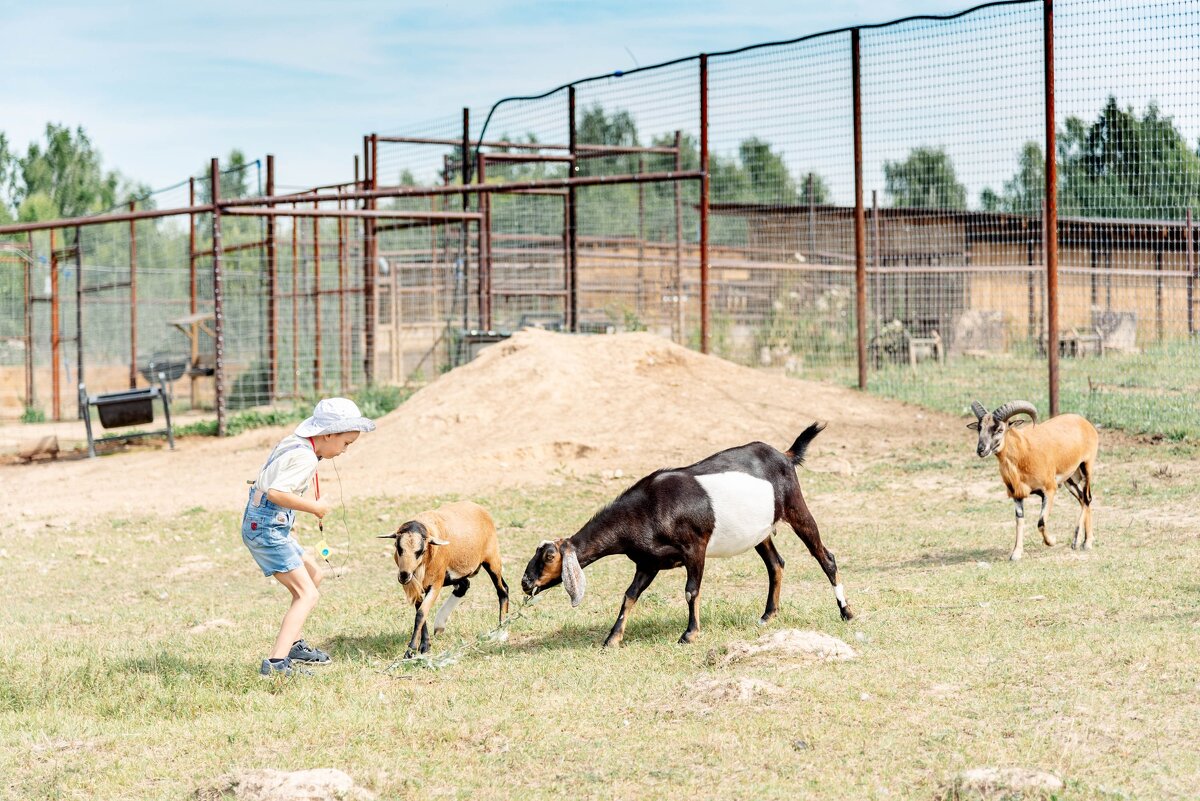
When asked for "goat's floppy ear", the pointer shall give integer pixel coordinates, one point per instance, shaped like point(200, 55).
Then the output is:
point(973, 426)
point(1017, 423)
point(572, 574)
point(436, 541)
point(391, 536)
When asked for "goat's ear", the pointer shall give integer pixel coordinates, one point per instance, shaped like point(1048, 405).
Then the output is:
point(572, 575)
point(1020, 421)
point(391, 536)
point(973, 426)
point(435, 541)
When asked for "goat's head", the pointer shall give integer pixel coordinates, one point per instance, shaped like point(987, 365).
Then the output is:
point(992, 426)
point(412, 541)
point(553, 562)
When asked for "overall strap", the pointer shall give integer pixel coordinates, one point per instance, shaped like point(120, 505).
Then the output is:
point(275, 454)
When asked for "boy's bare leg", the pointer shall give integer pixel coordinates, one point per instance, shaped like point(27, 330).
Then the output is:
point(304, 597)
point(314, 570)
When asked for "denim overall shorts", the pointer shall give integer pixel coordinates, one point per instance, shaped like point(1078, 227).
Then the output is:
point(267, 532)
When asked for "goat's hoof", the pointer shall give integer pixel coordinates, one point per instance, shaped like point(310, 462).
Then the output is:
point(1015, 556)
point(1050, 541)
point(846, 613)
point(436, 632)
point(1087, 546)
point(688, 637)
point(409, 653)
point(611, 643)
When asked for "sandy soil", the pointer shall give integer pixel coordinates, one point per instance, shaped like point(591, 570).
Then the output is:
point(536, 409)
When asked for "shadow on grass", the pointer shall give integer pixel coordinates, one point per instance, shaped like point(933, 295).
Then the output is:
point(944, 559)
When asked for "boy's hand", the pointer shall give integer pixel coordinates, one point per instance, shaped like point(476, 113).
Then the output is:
point(320, 509)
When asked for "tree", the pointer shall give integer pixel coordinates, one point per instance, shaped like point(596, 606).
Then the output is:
point(924, 180)
point(1125, 166)
point(1023, 193)
point(235, 178)
point(60, 177)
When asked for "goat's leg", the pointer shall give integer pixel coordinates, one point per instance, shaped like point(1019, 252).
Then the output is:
point(418, 626)
point(1019, 546)
point(1047, 504)
point(421, 625)
point(801, 521)
point(641, 580)
point(460, 589)
point(1077, 492)
point(1085, 470)
point(501, 587)
point(774, 562)
point(691, 591)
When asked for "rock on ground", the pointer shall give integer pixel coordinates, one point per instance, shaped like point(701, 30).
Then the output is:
point(322, 784)
point(1003, 783)
point(791, 643)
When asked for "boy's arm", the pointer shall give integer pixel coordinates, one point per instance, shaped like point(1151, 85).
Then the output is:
point(289, 500)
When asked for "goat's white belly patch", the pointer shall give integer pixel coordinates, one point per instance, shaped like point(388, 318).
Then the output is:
point(744, 508)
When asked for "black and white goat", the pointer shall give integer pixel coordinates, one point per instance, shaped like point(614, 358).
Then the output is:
point(719, 507)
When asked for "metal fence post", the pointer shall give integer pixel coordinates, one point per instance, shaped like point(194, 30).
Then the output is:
point(1051, 222)
point(192, 288)
point(272, 288)
point(214, 171)
point(55, 331)
point(572, 310)
point(704, 183)
point(79, 316)
point(860, 218)
point(132, 298)
point(369, 298)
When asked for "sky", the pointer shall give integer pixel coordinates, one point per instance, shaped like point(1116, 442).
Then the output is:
point(161, 87)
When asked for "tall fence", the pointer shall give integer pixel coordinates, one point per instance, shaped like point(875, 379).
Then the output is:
point(866, 205)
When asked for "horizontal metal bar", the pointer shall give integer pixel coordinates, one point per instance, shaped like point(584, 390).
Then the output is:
point(386, 214)
point(101, 219)
point(232, 248)
point(500, 157)
point(532, 293)
point(104, 287)
point(580, 148)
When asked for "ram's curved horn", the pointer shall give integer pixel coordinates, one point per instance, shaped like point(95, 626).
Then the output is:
point(1016, 407)
point(979, 409)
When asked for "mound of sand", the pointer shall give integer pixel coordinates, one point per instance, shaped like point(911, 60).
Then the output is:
point(541, 405)
point(534, 409)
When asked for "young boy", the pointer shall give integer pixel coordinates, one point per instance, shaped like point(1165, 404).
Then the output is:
point(271, 512)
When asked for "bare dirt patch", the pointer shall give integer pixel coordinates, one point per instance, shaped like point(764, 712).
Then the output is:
point(1003, 783)
point(714, 691)
point(527, 411)
point(321, 784)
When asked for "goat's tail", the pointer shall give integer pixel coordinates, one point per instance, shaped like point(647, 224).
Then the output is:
point(796, 452)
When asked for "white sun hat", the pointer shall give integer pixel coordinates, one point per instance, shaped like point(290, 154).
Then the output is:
point(334, 416)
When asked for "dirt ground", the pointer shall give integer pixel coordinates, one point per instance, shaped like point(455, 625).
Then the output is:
point(536, 409)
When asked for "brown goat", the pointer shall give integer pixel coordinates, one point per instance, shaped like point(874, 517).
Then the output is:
point(1034, 461)
point(445, 547)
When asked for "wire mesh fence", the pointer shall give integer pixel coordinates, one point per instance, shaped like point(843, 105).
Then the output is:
point(720, 201)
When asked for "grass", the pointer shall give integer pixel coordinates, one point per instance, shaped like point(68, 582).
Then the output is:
point(1081, 664)
point(1153, 393)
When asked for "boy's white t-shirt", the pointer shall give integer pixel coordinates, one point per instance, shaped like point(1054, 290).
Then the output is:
point(292, 471)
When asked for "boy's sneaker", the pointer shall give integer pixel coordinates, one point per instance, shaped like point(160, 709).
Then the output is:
point(281, 667)
point(303, 652)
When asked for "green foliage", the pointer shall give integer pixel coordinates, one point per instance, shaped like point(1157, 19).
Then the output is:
point(59, 176)
point(924, 180)
point(1120, 165)
point(378, 399)
point(236, 173)
point(32, 414)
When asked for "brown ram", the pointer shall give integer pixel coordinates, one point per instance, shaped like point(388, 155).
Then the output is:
point(1037, 459)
